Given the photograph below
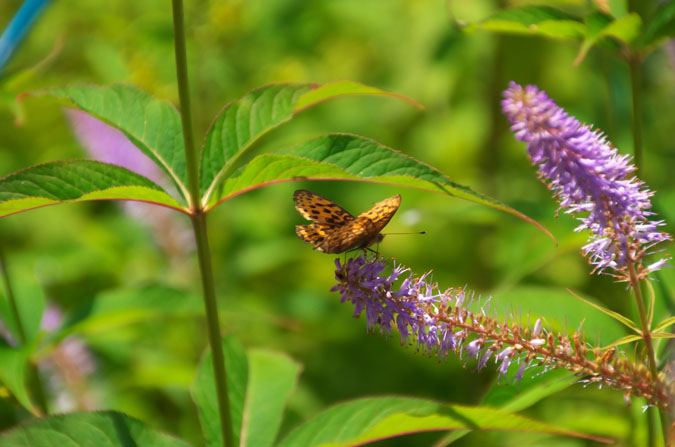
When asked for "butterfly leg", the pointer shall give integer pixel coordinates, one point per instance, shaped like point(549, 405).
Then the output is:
point(368, 249)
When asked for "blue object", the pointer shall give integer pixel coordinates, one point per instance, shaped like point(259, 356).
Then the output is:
point(18, 27)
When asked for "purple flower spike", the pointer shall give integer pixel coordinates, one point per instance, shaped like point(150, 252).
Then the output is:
point(589, 176)
point(440, 323)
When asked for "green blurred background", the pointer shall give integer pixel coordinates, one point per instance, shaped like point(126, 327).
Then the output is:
point(273, 289)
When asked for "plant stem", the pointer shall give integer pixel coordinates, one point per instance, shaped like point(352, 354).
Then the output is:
point(198, 218)
point(634, 62)
point(213, 326)
point(185, 109)
point(651, 425)
point(34, 381)
point(647, 338)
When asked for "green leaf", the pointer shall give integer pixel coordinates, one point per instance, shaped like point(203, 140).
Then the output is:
point(652, 303)
point(13, 366)
point(112, 309)
point(662, 24)
point(153, 125)
point(664, 324)
point(76, 181)
point(349, 157)
point(626, 29)
point(663, 335)
point(368, 420)
point(623, 341)
point(30, 301)
point(534, 20)
point(272, 378)
point(100, 429)
point(244, 121)
point(337, 89)
point(617, 8)
point(537, 384)
point(615, 315)
point(259, 384)
point(204, 392)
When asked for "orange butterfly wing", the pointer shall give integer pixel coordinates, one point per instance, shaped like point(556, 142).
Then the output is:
point(382, 212)
point(319, 209)
point(335, 230)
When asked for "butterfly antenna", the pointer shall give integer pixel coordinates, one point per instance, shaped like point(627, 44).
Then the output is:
point(414, 232)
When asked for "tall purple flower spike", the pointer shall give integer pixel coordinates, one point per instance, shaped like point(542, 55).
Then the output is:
point(588, 177)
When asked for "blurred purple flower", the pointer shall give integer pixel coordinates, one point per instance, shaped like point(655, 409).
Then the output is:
point(68, 366)
point(6, 335)
point(588, 175)
point(52, 318)
point(109, 145)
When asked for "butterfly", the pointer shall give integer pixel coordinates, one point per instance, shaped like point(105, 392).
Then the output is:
point(335, 230)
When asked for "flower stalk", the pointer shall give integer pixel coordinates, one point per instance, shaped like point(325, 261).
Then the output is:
point(651, 355)
point(635, 64)
point(198, 219)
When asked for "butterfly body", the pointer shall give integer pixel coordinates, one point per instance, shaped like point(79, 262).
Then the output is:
point(334, 229)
